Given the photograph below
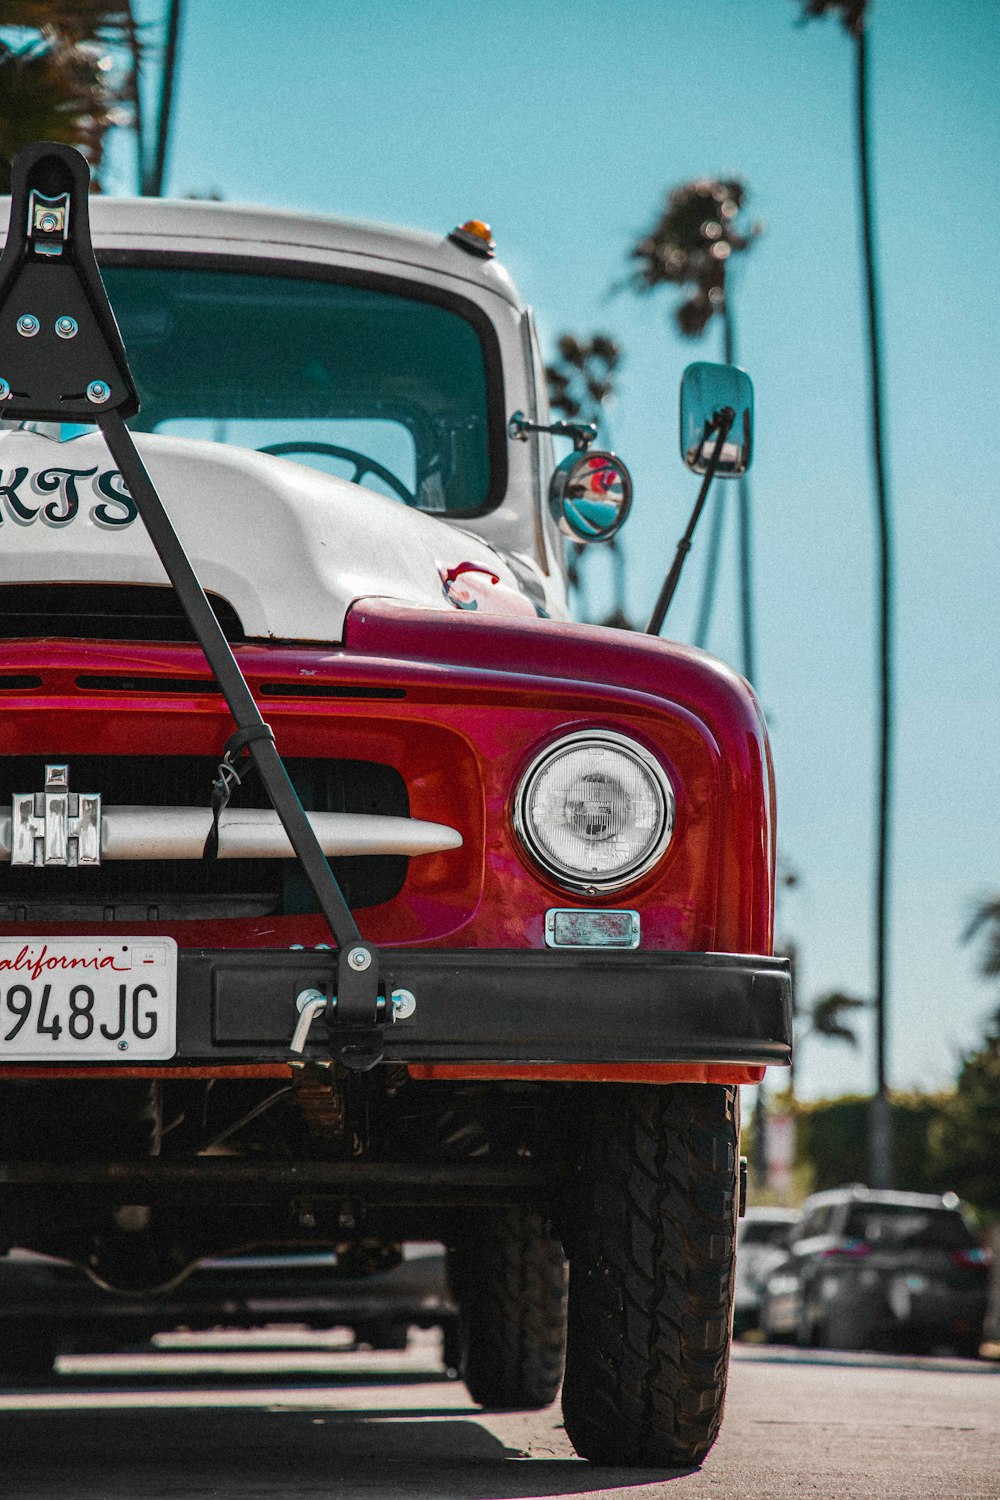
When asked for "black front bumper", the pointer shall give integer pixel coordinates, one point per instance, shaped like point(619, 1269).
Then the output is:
point(499, 1006)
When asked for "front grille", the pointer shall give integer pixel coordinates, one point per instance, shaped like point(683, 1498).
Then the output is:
point(171, 890)
point(103, 612)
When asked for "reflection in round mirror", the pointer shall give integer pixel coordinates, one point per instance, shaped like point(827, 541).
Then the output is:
point(590, 496)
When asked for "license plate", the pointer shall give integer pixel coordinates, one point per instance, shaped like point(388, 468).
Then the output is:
point(88, 999)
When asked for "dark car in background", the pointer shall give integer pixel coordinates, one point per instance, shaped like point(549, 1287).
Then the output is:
point(878, 1269)
point(762, 1239)
point(50, 1307)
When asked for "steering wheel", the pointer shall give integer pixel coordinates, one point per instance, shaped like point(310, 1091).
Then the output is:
point(362, 463)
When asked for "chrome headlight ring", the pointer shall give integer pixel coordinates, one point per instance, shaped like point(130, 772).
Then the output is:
point(595, 810)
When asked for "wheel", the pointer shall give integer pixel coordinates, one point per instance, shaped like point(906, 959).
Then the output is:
point(847, 1326)
point(362, 463)
point(451, 1347)
point(385, 1334)
point(509, 1280)
point(27, 1354)
point(769, 1334)
point(810, 1332)
point(967, 1345)
point(745, 1322)
point(652, 1269)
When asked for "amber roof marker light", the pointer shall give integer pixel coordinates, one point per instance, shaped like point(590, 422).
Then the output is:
point(476, 237)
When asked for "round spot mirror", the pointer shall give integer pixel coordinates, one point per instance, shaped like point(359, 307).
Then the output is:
point(590, 496)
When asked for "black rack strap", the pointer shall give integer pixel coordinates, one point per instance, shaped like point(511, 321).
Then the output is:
point(357, 987)
point(240, 739)
point(62, 359)
point(229, 776)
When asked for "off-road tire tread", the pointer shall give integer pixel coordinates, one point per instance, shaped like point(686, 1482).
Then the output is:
point(651, 1274)
point(510, 1281)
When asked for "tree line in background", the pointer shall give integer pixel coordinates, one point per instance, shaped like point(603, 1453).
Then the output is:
point(943, 1142)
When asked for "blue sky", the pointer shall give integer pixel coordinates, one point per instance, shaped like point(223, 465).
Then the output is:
point(563, 124)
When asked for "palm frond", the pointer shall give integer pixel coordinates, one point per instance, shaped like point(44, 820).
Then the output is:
point(985, 923)
point(579, 380)
point(827, 1016)
point(852, 12)
point(50, 94)
point(73, 20)
point(691, 244)
point(64, 75)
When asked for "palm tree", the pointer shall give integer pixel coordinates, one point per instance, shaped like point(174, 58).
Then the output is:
point(691, 245)
point(827, 1017)
point(77, 74)
point(61, 82)
point(854, 15)
point(580, 385)
point(579, 379)
point(985, 925)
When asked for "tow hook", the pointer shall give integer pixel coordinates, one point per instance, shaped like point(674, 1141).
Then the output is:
point(311, 1003)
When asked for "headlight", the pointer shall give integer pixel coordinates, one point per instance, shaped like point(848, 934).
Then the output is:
point(595, 810)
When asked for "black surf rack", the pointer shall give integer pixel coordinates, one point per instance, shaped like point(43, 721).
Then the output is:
point(62, 359)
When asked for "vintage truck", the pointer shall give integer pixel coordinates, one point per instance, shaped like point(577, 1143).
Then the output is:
point(520, 1023)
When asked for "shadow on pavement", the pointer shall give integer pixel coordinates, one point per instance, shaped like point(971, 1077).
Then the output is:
point(101, 1453)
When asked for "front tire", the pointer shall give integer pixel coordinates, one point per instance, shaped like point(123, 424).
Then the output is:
point(509, 1279)
point(384, 1334)
point(652, 1266)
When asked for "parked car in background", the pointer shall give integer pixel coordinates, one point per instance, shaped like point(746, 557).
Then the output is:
point(50, 1307)
point(761, 1245)
point(873, 1269)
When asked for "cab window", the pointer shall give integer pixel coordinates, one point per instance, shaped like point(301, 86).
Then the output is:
point(383, 389)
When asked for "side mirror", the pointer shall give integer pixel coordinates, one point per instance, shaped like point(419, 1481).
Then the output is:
point(706, 391)
point(590, 495)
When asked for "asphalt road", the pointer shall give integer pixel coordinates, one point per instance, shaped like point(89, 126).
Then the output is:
point(190, 1421)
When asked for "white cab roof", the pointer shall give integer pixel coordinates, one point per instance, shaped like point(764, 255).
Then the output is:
point(141, 223)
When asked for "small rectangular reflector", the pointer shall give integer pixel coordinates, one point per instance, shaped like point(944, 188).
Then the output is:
point(569, 928)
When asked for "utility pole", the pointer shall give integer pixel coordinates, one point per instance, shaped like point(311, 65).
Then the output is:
point(854, 16)
point(880, 1136)
point(157, 172)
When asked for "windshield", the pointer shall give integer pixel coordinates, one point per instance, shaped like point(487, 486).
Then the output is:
point(765, 1231)
point(380, 388)
point(892, 1225)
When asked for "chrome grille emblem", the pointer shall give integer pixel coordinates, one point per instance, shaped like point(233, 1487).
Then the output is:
point(57, 826)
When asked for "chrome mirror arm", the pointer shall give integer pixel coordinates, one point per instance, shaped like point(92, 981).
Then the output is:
point(582, 433)
point(720, 424)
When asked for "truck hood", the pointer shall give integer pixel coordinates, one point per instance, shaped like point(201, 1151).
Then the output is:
point(289, 548)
